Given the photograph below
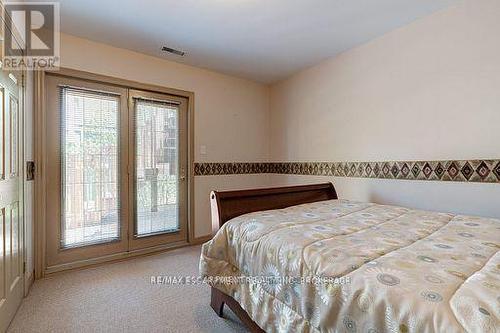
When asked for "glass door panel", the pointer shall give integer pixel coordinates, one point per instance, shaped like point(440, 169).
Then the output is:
point(90, 168)
point(156, 167)
point(159, 157)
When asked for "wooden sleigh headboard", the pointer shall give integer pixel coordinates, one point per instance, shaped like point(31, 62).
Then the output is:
point(230, 204)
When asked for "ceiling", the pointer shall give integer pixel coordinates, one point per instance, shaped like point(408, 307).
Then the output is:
point(261, 40)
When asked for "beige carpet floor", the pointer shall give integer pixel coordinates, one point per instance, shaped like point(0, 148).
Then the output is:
point(119, 297)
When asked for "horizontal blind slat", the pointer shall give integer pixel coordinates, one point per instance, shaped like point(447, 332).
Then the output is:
point(90, 164)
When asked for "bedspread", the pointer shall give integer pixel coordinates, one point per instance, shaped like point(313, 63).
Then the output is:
point(371, 268)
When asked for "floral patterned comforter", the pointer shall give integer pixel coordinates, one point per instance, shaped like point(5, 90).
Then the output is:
point(401, 270)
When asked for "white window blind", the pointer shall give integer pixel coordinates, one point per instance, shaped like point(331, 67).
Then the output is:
point(156, 166)
point(90, 167)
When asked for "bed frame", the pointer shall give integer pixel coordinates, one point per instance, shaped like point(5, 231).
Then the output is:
point(228, 205)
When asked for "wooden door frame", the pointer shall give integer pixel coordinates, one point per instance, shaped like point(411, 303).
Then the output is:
point(40, 162)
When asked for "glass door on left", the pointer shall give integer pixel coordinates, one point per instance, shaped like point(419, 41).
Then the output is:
point(86, 134)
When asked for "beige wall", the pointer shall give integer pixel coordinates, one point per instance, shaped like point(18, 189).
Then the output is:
point(231, 114)
point(429, 90)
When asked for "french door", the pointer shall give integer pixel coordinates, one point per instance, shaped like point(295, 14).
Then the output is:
point(116, 170)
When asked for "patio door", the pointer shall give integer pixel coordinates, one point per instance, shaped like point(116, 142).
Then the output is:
point(116, 168)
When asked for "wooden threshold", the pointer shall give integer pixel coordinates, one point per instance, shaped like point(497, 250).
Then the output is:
point(81, 264)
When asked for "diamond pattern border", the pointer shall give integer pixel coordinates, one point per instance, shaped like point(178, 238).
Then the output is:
point(482, 171)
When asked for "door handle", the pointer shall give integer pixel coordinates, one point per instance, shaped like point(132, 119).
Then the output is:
point(183, 175)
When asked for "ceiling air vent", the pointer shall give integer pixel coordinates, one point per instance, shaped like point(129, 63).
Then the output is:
point(173, 51)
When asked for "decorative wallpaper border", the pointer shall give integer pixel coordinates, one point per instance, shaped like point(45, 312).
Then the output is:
point(238, 168)
point(482, 171)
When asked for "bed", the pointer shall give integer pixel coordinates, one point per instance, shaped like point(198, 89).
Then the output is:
point(298, 259)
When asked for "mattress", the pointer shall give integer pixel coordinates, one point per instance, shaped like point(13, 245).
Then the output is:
point(344, 266)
